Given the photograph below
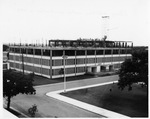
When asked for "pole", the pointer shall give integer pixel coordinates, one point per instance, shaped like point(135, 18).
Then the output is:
point(64, 75)
point(22, 62)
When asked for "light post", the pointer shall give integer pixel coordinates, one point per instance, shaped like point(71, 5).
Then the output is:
point(64, 58)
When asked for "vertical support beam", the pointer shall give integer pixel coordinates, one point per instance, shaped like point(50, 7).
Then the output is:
point(22, 62)
point(75, 61)
point(104, 54)
point(14, 58)
point(8, 65)
point(112, 56)
point(33, 60)
point(50, 63)
point(95, 56)
point(20, 59)
point(85, 58)
point(41, 60)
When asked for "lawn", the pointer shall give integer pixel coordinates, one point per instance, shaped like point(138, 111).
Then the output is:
point(131, 103)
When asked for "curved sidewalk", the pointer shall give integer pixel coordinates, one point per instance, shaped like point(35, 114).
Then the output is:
point(86, 106)
point(52, 107)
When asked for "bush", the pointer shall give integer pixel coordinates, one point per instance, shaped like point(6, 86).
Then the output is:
point(32, 110)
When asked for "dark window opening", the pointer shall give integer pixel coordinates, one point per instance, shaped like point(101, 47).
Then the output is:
point(23, 50)
point(123, 51)
point(107, 52)
point(57, 53)
point(46, 52)
point(37, 51)
point(115, 51)
point(12, 49)
point(99, 52)
point(80, 52)
point(90, 52)
point(30, 51)
point(70, 52)
point(17, 50)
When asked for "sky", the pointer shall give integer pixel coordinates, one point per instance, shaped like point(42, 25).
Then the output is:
point(31, 21)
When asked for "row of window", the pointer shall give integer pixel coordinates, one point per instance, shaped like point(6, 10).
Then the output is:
point(70, 52)
point(59, 62)
point(54, 71)
point(47, 71)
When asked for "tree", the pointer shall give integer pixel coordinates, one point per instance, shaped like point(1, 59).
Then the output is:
point(32, 110)
point(15, 83)
point(134, 70)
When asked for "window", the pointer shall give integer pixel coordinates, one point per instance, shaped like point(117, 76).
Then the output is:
point(107, 52)
point(115, 51)
point(57, 62)
point(17, 50)
point(46, 52)
point(90, 52)
point(12, 49)
point(70, 61)
point(70, 70)
point(70, 52)
point(23, 50)
point(57, 53)
point(80, 52)
point(37, 51)
point(123, 51)
point(80, 69)
point(99, 52)
point(30, 51)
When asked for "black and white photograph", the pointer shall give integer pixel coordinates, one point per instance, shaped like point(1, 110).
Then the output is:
point(74, 58)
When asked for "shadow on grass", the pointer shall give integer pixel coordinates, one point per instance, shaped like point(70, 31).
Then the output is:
point(131, 103)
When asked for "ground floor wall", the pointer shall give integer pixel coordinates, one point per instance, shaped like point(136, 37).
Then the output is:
point(74, 65)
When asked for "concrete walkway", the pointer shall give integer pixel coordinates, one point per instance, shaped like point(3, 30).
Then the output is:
point(50, 107)
point(86, 106)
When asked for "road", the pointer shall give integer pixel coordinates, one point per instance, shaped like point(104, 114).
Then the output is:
point(50, 107)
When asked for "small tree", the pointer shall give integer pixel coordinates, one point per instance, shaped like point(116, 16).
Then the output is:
point(32, 110)
point(15, 83)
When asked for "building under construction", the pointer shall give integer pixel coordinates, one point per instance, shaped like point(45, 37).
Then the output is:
point(75, 57)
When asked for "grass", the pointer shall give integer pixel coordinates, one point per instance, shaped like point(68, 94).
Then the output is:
point(131, 103)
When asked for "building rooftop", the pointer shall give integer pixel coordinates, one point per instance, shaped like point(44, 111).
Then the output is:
point(78, 44)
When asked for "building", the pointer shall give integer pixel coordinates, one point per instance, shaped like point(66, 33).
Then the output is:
point(5, 58)
point(76, 57)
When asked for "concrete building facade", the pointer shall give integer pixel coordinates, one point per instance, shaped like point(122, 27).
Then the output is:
point(76, 57)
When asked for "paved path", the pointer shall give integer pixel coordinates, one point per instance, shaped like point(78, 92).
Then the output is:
point(50, 107)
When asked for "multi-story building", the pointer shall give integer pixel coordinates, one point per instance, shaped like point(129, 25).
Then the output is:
point(5, 58)
point(77, 57)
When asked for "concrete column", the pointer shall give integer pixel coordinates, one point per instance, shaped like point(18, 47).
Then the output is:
point(107, 68)
point(89, 69)
point(98, 68)
point(8, 65)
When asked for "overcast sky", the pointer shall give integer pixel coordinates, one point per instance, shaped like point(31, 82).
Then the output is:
point(40, 20)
